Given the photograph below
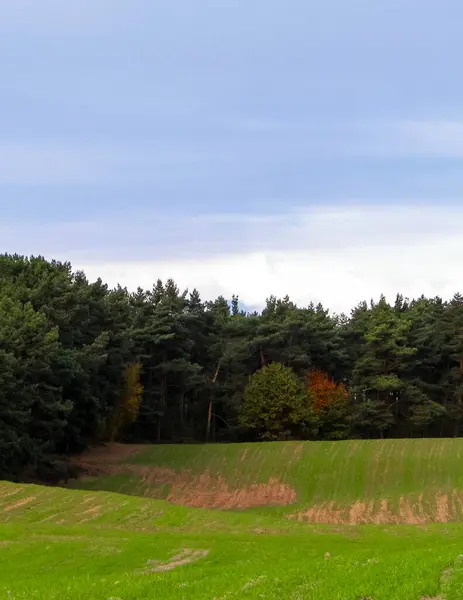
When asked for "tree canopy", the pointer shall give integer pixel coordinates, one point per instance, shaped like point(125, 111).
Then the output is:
point(275, 403)
point(81, 363)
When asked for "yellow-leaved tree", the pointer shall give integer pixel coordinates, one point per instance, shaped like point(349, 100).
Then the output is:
point(127, 409)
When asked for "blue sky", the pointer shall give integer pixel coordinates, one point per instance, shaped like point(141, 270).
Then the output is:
point(250, 147)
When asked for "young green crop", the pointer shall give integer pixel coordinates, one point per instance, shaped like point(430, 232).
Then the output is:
point(77, 544)
point(70, 545)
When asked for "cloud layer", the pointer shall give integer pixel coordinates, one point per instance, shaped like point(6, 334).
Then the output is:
point(336, 255)
point(258, 148)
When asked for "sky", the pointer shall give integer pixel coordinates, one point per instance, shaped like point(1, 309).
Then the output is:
point(306, 148)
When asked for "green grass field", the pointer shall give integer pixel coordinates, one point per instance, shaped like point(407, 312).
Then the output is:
point(76, 544)
point(392, 481)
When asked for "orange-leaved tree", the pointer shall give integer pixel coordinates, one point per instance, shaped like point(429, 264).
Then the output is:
point(323, 391)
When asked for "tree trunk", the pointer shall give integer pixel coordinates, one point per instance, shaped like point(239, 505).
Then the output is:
point(209, 417)
point(209, 410)
point(182, 409)
point(163, 407)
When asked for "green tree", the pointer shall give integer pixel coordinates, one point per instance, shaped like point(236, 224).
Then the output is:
point(275, 404)
point(163, 340)
point(32, 408)
point(377, 376)
point(451, 327)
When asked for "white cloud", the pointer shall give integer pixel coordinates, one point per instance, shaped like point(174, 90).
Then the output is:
point(338, 257)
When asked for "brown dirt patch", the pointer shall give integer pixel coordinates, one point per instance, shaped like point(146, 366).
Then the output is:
point(18, 504)
point(185, 557)
point(441, 509)
point(187, 488)
point(206, 491)
point(94, 510)
point(91, 513)
point(213, 491)
point(100, 459)
point(411, 513)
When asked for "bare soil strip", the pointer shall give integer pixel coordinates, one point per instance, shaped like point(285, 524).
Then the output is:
point(18, 504)
point(186, 488)
point(443, 509)
point(186, 556)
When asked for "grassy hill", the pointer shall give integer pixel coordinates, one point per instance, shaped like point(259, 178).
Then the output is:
point(377, 481)
point(354, 520)
point(58, 544)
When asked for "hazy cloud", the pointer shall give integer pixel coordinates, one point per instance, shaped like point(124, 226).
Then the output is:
point(339, 256)
point(257, 148)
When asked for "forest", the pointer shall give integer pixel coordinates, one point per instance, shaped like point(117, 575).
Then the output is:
point(82, 364)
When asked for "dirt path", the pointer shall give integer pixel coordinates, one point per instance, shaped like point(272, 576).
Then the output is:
point(111, 454)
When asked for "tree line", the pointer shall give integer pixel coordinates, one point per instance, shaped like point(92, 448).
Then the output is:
point(81, 363)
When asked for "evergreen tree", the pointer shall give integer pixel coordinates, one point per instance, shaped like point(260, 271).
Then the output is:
point(81, 363)
point(377, 375)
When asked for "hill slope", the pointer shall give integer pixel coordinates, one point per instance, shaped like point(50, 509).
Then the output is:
point(361, 481)
point(58, 544)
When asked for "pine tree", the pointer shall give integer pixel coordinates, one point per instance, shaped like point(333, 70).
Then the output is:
point(377, 381)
